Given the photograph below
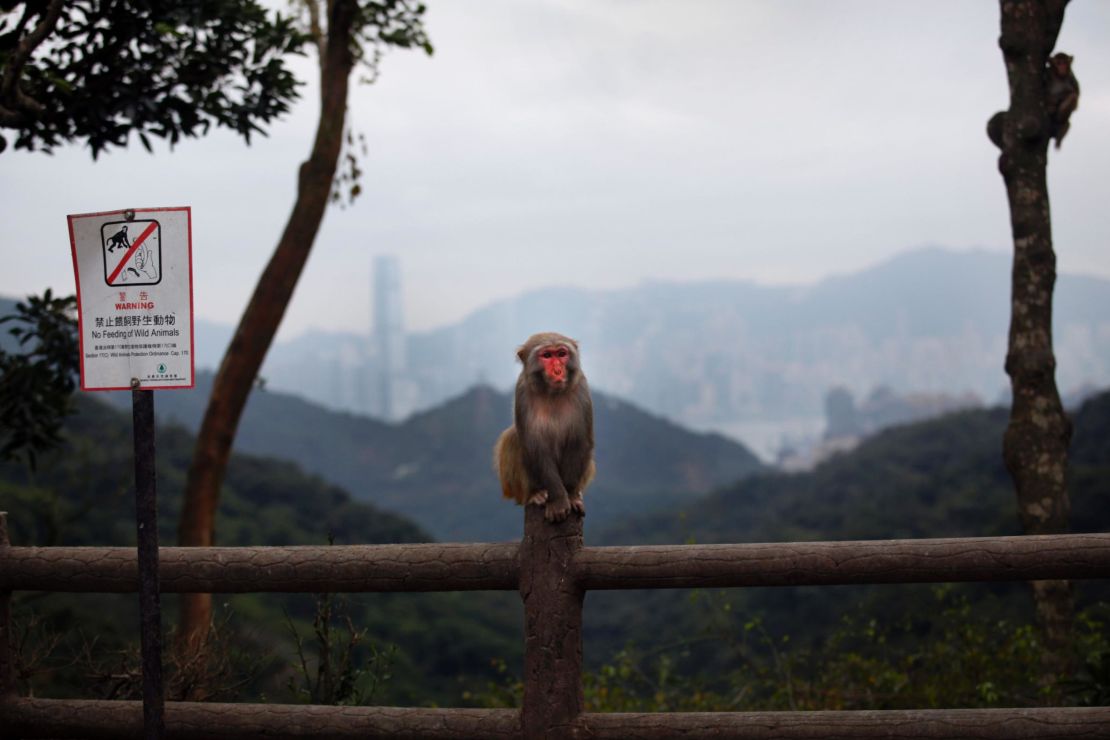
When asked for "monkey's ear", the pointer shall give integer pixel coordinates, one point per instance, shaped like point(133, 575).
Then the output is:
point(522, 353)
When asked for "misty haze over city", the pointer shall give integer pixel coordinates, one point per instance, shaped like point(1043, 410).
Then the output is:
point(753, 362)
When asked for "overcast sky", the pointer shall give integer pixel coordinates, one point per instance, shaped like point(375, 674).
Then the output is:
point(604, 143)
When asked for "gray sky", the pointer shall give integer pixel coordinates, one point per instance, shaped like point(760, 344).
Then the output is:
point(604, 143)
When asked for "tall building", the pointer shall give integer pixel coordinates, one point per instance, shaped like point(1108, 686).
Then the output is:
point(389, 337)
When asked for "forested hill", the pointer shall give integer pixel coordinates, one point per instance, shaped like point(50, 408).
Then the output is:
point(941, 478)
point(83, 494)
point(436, 467)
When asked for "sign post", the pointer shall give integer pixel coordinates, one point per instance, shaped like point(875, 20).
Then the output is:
point(135, 324)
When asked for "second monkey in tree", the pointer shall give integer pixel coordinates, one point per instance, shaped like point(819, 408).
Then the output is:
point(546, 458)
point(1063, 94)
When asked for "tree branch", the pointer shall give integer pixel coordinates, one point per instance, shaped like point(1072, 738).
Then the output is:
point(13, 102)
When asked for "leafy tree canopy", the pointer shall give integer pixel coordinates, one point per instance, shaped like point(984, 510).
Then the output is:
point(37, 382)
point(98, 70)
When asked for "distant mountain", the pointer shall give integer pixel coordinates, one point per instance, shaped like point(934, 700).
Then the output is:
point(436, 467)
point(730, 355)
point(930, 320)
point(750, 360)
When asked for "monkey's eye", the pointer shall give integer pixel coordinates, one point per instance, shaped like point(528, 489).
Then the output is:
point(562, 353)
point(546, 354)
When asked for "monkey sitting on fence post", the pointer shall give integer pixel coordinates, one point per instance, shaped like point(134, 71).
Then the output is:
point(546, 457)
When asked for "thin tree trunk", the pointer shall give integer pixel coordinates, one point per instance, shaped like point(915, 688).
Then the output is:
point(1035, 445)
point(263, 314)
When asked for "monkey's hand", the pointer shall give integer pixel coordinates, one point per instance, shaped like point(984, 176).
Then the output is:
point(557, 509)
point(577, 505)
point(539, 498)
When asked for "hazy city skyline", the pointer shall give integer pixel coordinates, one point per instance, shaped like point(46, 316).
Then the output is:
point(601, 145)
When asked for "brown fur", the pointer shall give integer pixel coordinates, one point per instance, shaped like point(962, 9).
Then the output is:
point(1063, 94)
point(546, 456)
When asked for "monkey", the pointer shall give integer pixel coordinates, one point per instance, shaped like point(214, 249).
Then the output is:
point(1063, 95)
point(546, 457)
point(119, 239)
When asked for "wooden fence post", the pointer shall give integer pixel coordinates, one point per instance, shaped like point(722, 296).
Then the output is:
point(7, 657)
point(552, 626)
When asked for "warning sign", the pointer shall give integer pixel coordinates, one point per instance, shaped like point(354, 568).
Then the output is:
point(128, 262)
point(134, 298)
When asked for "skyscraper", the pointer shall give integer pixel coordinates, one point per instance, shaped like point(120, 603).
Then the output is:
point(389, 337)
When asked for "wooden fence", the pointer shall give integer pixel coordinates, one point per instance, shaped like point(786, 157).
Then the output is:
point(552, 571)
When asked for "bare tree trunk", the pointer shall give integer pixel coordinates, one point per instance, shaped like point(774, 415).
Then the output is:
point(263, 314)
point(1035, 446)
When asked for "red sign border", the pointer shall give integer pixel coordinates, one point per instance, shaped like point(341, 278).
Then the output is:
point(81, 316)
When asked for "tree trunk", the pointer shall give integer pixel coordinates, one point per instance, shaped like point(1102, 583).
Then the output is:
point(263, 314)
point(1035, 446)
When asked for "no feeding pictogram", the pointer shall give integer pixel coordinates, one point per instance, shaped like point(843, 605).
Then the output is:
point(132, 252)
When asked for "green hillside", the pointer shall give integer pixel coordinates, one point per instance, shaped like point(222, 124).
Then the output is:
point(435, 468)
point(941, 478)
point(83, 495)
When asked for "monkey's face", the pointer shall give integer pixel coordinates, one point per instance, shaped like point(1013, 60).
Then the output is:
point(556, 362)
point(1061, 65)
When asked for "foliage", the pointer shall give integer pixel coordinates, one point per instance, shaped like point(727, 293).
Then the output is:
point(97, 70)
point(231, 664)
point(1090, 686)
point(341, 675)
point(950, 658)
point(377, 26)
point(82, 495)
point(942, 478)
point(96, 659)
point(36, 382)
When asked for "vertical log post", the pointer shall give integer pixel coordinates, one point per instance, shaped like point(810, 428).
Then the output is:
point(7, 654)
point(552, 626)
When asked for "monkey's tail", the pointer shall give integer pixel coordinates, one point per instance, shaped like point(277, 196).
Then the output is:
point(507, 458)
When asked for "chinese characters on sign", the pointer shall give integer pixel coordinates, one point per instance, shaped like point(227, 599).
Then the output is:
point(135, 297)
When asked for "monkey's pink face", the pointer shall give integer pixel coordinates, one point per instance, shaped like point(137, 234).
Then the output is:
point(554, 359)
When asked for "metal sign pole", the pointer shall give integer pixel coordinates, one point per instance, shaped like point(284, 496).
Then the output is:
point(150, 609)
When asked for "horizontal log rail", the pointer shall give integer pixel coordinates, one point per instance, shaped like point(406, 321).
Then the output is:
point(51, 718)
point(1025, 558)
point(112, 720)
point(890, 724)
point(329, 568)
point(478, 567)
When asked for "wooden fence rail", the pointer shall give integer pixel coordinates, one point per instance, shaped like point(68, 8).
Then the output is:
point(495, 567)
point(49, 718)
point(552, 570)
